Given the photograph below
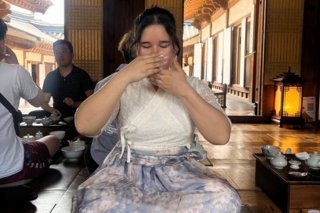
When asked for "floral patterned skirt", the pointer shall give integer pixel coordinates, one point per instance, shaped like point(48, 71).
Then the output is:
point(155, 181)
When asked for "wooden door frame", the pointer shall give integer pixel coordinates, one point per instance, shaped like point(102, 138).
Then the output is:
point(261, 15)
point(37, 63)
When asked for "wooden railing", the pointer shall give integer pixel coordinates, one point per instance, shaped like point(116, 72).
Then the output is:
point(221, 95)
point(219, 92)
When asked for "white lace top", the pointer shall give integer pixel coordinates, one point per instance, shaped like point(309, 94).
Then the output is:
point(156, 120)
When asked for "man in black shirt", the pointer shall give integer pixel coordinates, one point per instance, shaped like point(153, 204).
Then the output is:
point(68, 85)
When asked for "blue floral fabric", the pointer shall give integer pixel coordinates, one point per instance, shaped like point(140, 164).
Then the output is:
point(155, 181)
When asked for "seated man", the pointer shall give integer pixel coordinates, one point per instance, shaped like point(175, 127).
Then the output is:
point(68, 85)
point(19, 162)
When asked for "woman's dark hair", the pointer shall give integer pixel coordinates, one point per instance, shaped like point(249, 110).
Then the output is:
point(3, 29)
point(156, 15)
point(124, 47)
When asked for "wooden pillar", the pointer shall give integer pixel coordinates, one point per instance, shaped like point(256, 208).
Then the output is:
point(283, 34)
point(118, 16)
point(176, 8)
point(310, 68)
point(84, 28)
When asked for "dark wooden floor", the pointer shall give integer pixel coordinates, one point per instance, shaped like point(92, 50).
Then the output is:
point(234, 161)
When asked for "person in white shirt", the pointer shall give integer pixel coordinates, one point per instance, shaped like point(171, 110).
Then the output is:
point(19, 161)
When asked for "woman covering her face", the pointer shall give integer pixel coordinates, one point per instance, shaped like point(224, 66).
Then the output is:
point(156, 107)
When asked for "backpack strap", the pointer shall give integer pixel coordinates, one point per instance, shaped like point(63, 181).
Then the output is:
point(7, 104)
point(17, 116)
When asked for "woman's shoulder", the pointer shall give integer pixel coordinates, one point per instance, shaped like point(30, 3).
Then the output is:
point(194, 81)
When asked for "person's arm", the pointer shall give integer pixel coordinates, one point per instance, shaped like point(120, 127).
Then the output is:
point(45, 106)
point(38, 100)
point(104, 101)
point(72, 103)
point(211, 122)
point(27, 88)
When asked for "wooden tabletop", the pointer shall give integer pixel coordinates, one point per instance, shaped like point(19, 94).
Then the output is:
point(35, 127)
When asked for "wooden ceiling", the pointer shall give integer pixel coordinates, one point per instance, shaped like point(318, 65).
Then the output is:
point(202, 10)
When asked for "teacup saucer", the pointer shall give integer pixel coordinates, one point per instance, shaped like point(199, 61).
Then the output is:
point(294, 162)
point(294, 166)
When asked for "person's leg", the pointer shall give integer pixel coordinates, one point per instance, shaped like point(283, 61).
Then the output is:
point(39, 113)
point(52, 142)
point(36, 159)
point(36, 163)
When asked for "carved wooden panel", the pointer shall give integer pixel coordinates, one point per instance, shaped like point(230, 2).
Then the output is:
point(283, 37)
point(84, 30)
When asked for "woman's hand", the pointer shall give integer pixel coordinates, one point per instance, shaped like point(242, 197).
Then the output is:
point(172, 81)
point(142, 67)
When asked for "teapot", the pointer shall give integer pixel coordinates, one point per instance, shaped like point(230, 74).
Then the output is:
point(45, 121)
point(314, 161)
point(39, 135)
point(54, 118)
point(279, 161)
point(196, 147)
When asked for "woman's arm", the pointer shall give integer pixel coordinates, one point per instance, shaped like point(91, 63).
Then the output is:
point(211, 122)
point(96, 110)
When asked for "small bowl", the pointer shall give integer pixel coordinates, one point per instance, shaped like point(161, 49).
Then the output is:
point(29, 119)
point(38, 120)
point(58, 134)
point(73, 152)
point(270, 151)
point(55, 120)
point(27, 138)
point(68, 120)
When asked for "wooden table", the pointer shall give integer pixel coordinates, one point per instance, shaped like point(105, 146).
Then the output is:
point(290, 194)
point(35, 127)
